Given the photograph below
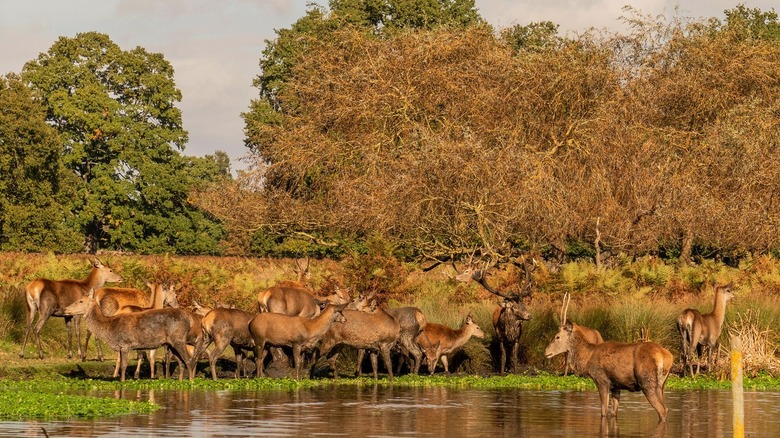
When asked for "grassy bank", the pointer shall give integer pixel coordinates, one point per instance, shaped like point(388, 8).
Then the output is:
point(619, 300)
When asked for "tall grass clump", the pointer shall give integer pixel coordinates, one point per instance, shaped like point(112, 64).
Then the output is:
point(759, 341)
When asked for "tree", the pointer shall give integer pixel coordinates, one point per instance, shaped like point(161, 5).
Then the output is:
point(116, 114)
point(32, 217)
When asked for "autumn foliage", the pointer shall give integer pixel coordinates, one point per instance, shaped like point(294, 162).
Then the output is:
point(664, 139)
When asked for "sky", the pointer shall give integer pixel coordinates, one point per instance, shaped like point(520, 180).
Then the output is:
point(215, 45)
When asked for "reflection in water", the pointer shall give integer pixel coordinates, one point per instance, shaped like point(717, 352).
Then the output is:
point(417, 412)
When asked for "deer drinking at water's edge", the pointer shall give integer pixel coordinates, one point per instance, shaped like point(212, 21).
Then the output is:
point(699, 331)
point(50, 298)
point(614, 366)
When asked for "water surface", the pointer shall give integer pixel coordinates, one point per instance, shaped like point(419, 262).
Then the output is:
point(347, 411)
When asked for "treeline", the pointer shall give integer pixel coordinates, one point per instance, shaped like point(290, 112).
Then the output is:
point(453, 137)
point(420, 126)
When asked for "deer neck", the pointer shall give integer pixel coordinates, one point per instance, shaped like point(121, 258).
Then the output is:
point(93, 280)
point(157, 297)
point(719, 310)
point(320, 323)
point(95, 320)
point(580, 352)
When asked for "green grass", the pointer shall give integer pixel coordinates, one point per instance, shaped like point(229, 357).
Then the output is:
point(21, 404)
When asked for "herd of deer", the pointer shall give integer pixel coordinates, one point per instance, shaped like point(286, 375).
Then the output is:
point(292, 316)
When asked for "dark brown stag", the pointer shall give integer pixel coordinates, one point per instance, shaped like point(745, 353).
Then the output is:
point(50, 298)
point(615, 366)
point(144, 330)
point(511, 311)
point(699, 331)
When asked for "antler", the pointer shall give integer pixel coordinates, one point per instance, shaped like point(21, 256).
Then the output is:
point(478, 275)
point(526, 284)
point(565, 308)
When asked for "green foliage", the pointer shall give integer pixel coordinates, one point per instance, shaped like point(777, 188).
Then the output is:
point(116, 115)
point(25, 405)
point(32, 217)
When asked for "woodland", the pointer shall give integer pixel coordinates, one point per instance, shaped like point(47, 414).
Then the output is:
point(417, 124)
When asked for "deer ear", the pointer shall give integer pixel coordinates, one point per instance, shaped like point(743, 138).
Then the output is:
point(568, 326)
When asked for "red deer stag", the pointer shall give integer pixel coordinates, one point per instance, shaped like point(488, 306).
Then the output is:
point(699, 331)
point(614, 366)
point(298, 332)
point(50, 298)
point(439, 341)
point(145, 330)
point(591, 335)
point(224, 327)
point(510, 313)
point(375, 331)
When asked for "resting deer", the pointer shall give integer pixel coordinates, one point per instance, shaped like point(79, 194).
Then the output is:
point(439, 341)
point(510, 313)
point(299, 333)
point(614, 366)
point(591, 335)
point(50, 298)
point(699, 331)
point(148, 329)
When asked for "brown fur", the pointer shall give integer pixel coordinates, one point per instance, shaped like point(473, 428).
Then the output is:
point(50, 298)
point(299, 333)
point(507, 323)
point(376, 332)
point(411, 321)
point(225, 327)
point(591, 335)
point(439, 341)
point(148, 329)
point(615, 366)
point(699, 331)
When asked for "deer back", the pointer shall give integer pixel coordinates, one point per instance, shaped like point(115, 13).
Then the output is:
point(289, 301)
point(68, 291)
point(363, 330)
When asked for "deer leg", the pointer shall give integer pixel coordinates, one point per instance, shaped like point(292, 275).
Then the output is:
point(42, 318)
point(502, 364)
point(385, 350)
point(181, 353)
point(361, 353)
point(375, 363)
point(513, 359)
point(259, 352)
point(604, 395)
point(417, 355)
point(445, 363)
point(32, 309)
point(615, 396)
point(151, 355)
point(216, 352)
point(83, 355)
point(140, 361)
point(656, 399)
point(122, 363)
point(297, 361)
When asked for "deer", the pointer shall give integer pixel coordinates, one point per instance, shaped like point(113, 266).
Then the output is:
point(411, 321)
point(699, 331)
point(510, 313)
point(298, 332)
point(161, 296)
point(144, 330)
point(591, 335)
point(375, 332)
point(616, 366)
point(49, 298)
point(113, 300)
point(439, 341)
point(223, 327)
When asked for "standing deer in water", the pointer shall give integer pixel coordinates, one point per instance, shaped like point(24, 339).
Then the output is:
point(298, 332)
point(591, 335)
point(50, 298)
point(439, 341)
point(510, 313)
point(142, 330)
point(699, 331)
point(614, 366)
